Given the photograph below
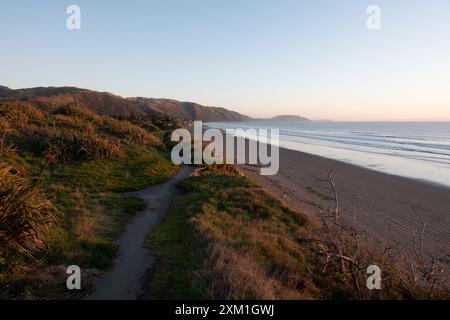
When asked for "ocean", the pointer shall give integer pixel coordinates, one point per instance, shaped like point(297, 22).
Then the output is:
point(418, 150)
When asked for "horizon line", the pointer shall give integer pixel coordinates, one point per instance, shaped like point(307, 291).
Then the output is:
point(253, 117)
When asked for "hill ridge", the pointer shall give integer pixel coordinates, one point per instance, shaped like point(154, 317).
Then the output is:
point(114, 105)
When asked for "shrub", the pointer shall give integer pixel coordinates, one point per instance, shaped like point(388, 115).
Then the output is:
point(21, 115)
point(60, 120)
point(149, 126)
point(71, 145)
point(25, 213)
point(75, 110)
point(70, 132)
point(128, 132)
point(5, 126)
point(76, 116)
point(5, 145)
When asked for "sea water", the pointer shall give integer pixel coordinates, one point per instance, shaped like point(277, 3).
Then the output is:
point(419, 150)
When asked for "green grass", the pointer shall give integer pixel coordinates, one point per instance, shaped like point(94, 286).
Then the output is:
point(91, 248)
point(128, 205)
point(175, 243)
point(93, 209)
point(177, 250)
point(80, 163)
point(226, 238)
point(212, 229)
point(87, 193)
point(135, 172)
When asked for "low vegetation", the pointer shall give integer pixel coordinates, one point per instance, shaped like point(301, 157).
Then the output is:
point(226, 238)
point(63, 171)
point(25, 213)
point(62, 174)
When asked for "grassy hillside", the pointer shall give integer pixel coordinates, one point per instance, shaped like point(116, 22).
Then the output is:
point(188, 110)
point(61, 171)
point(226, 238)
point(114, 105)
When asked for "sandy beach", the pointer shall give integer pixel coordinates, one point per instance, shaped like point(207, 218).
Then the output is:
point(389, 209)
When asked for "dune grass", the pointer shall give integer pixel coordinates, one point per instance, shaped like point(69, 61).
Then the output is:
point(72, 164)
point(226, 238)
point(25, 212)
point(92, 213)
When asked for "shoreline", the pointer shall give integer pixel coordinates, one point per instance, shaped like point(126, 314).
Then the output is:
point(388, 208)
point(399, 176)
point(425, 174)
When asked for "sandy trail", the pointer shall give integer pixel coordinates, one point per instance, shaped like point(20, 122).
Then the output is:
point(124, 281)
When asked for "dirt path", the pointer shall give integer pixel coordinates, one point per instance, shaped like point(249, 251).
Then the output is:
point(124, 281)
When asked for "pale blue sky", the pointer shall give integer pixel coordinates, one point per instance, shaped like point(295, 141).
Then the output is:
point(314, 58)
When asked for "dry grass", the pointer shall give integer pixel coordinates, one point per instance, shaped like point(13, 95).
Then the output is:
point(81, 158)
point(70, 145)
point(21, 115)
point(346, 255)
point(241, 243)
point(253, 237)
point(71, 132)
point(6, 147)
point(25, 213)
point(129, 133)
point(232, 274)
point(226, 238)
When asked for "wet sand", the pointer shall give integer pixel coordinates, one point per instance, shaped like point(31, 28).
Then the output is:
point(389, 209)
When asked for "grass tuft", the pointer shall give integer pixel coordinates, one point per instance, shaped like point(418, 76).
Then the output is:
point(25, 212)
